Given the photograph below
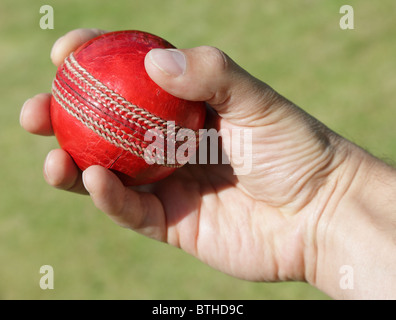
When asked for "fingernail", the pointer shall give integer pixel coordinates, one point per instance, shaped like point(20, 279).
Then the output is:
point(22, 111)
point(47, 163)
point(54, 46)
point(84, 179)
point(170, 61)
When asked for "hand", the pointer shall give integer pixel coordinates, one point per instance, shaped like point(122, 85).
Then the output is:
point(269, 225)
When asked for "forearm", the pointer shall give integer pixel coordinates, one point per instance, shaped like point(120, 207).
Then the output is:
point(357, 252)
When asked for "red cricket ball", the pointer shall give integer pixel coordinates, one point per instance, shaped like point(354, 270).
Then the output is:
point(104, 104)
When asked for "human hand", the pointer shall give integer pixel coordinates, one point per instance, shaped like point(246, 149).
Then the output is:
point(267, 225)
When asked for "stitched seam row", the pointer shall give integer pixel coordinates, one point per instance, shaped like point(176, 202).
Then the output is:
point(75, 108)
point(116, 101)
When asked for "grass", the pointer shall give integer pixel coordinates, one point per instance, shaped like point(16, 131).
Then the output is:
point(344, 78)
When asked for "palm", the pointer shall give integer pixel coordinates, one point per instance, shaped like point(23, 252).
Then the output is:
point(207, 212)
point(224, 219)
point(208, 216)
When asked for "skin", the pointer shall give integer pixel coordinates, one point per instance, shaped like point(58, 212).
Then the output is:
point(312, 203)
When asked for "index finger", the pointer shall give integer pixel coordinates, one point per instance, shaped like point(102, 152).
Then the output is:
point(70, 42)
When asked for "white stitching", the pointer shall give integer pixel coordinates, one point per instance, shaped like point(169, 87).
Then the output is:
point(98, 128)
point(113, 102)
point(122, 104)
point(167, 128)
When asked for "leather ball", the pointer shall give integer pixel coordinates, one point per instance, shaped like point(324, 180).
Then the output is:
point(105, 109)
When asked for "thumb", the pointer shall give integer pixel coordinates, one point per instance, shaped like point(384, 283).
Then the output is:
point(208, 74)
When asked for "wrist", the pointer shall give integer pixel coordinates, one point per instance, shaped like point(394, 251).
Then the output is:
point(355, 235)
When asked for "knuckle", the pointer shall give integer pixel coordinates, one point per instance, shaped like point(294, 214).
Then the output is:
point(216, 59)
point(218, 67)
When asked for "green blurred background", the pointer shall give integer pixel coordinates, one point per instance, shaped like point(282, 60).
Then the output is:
point(346, 78)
